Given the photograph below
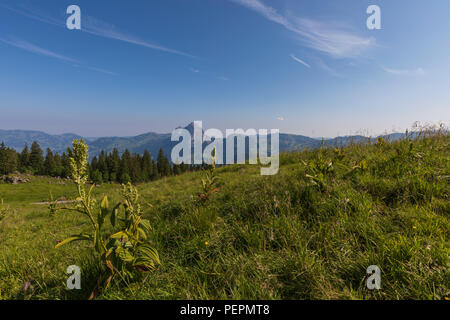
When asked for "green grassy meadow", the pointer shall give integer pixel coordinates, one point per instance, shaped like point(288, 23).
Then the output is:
point(309, 232)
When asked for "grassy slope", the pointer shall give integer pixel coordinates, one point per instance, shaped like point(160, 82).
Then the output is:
point(278, 237)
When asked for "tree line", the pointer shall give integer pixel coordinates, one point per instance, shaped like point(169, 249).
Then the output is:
point(106, 167)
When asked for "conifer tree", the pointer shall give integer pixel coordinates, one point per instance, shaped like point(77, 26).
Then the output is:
point(97, 177)
point(93, 165)
point(49, 164)
point(176, 169)
point(24, 160)
point(147, 166)
point(114, 165)
point(135, 168)
point(36, 158)
point(125, 164)
point(102, 165)
point(65, 166)
point(58, 165)
point(8, 159)
point(155, 173)
point(3, 169)
point(163, 164)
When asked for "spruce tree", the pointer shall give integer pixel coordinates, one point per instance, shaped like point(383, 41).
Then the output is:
point(8, 159)
point(58, 165)
point(3, 159)
point(94, 163)
point(102, 165)
point(114, 164)
point(155, 173)
point(125, 178)
point(49, 164)
point(24, 160)
point(163, 164)
point(147, 166)
point(65, 166)
point(135, 168)
point(97, 177)
point(176, 169)
point(36, 158)
point(125, 164)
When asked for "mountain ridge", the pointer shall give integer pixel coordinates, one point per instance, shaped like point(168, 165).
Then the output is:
point(153, 141)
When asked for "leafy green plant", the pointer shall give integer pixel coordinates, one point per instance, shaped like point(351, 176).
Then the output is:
point(318, 169)
point(209, 180)
point(339, 154)
point(380, 142)
point(125, 253)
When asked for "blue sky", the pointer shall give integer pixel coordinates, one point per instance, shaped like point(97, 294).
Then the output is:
point(307, 67)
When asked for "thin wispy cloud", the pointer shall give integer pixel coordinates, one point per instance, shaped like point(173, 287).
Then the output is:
point(326, 68)
point(334, 39)
point(99, 28)
point(267, 11)
point(208, 74)
point(405, 72)
point(32, 48)
point(35, 14)
point(93, 26)
point(300, 61)
point(25, 45)
point(102, 71)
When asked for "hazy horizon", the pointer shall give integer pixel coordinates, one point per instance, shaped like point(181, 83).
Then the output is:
point(358, 132)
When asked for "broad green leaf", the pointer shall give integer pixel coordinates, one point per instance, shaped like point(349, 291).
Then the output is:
point(142, 233)
point(119, 235)
point(124, 254)
point(103, 211)
point(145, 224)
point(114, 213)
point(98, 242)
point(147, 252)
point(78, 237)
point(104, 206)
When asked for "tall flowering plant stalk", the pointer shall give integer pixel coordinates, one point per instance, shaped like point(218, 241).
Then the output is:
point(126, 252)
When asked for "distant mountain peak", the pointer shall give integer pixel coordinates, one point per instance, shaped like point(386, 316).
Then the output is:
point(190, 127)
